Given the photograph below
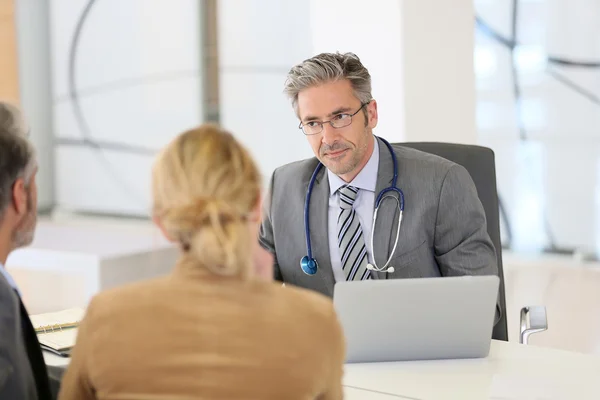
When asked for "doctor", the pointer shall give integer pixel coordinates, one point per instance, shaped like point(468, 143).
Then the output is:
point(320, 223)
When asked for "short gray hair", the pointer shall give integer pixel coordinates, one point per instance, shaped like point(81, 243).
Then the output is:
point(329, 67)
point(17, 156)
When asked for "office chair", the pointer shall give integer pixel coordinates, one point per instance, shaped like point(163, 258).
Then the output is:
point(480, 163)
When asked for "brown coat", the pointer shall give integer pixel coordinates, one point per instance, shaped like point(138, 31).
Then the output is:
point(192, 335)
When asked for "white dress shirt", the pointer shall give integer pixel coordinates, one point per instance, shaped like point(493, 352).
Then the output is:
point(365, 181)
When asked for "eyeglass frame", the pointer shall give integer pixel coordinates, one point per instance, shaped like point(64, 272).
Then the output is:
point(301, 126)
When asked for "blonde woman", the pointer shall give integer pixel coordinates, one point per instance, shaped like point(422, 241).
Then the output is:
point(217, 327)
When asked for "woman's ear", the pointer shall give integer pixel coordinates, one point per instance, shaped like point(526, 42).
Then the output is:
point(263, 263)
point(160, 226)
point(256, 213)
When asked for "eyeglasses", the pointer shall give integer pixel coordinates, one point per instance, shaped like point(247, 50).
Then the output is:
point(338, 121)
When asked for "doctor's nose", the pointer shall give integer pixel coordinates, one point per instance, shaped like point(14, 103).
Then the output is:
point(329, 134)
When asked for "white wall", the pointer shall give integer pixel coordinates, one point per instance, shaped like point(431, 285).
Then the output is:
point(139, 83)
point(416, 90)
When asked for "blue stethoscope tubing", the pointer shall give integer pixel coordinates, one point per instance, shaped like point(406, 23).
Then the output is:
point(308, 263)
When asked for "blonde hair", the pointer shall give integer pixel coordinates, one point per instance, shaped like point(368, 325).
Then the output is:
point(205, 186)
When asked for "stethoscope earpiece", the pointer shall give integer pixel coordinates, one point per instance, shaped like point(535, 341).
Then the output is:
point(309, 265)
point(371, 267)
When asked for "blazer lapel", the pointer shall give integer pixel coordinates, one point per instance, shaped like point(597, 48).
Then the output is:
point(34, 352)
point(319, 229)
point(387, 218)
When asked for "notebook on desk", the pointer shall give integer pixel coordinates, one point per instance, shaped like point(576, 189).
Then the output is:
point(57, 331)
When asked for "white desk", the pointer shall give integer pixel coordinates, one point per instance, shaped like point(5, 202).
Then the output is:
point(362, 394)
point(511, 371)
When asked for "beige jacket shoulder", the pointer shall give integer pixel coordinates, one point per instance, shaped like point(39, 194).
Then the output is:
point(195, 336)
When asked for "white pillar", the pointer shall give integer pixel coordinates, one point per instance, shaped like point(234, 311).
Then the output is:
point(33, 48)
point(373, 32)
point(439, 78)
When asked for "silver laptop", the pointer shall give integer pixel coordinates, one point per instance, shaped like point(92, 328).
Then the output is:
point(417, 319)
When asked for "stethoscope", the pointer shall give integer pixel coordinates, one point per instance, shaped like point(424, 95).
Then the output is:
point(309, 265)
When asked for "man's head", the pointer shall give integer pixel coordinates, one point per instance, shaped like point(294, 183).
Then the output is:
point(18, 190)
point(336, 88)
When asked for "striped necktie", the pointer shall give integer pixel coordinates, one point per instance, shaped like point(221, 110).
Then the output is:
point(351, 240)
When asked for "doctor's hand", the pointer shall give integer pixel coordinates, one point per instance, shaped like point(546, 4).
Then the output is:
point(263, 263)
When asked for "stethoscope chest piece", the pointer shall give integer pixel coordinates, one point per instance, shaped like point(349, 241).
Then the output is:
point(309, 265)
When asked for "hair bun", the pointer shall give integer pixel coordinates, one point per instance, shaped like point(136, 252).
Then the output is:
point(212, 210)
point(186, 220)
point(212, 220)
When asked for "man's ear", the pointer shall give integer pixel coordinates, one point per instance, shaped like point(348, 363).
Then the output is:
point(372, 113)
point(19, 196)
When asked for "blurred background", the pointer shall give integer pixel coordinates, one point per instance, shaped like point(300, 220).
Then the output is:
point(106, 83)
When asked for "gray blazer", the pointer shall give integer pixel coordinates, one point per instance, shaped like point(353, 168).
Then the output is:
point(443, 232)
point(16, 375)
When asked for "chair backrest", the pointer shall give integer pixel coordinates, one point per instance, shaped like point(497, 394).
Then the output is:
point(480, 163)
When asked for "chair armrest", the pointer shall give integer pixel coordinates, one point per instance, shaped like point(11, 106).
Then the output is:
point(537, 322)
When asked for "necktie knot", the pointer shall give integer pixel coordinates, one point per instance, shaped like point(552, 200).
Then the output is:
point(347, 196)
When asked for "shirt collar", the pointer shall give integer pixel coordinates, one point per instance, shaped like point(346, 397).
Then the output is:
point(8, 278)
point(366, 178)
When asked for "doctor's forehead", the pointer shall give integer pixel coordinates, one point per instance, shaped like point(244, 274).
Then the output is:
point(326, 99)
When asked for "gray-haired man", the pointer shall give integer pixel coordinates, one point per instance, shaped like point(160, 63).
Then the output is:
point(443, 231)
point(23, 373)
